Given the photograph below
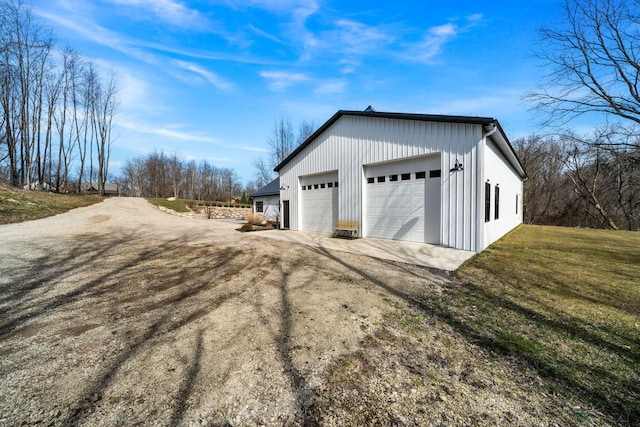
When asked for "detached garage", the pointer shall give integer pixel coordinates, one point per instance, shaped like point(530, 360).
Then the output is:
point(447, 180)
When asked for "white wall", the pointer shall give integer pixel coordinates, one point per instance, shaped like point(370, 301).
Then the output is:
point(499, 173)
point(355, 141)
point(270, 207)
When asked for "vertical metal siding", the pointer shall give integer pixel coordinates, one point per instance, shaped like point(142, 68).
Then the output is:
point(352, 142)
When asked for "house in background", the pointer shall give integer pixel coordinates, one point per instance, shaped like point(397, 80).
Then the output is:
point(453, 181)
point(266, 201)
point(111, 190)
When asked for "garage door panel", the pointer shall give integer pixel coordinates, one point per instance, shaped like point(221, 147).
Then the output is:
point(404, 209)
point(319, 206)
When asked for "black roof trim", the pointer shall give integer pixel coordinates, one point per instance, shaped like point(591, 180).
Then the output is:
point(271, 189)
point(474, 120)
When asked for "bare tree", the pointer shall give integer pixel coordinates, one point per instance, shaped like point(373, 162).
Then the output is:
point(46, 122)
point(545, 195)
point(606, 182)
point(65, 125)
point(594, 63)
point(105, 107)
point(24, 52)
point(593, 60)
point(306, 129)
point(176, 172)
point(281, 142)
point(264, 174)
point(159, 175)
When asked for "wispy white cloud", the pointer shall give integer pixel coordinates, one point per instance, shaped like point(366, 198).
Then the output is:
point(301, 11)
point(166, 132)
point(299, 8)
point(129, 47)
point(169, 11)
point(433, 42)
point(280, 80)
point(94, 32)
point(358, 38)
point(265, 34)
point(133, 92)
point(349, 65)
point(209, 76)
point(172, 133)
point(330, 88)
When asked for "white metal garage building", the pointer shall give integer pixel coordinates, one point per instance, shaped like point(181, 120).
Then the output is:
point(448, 180)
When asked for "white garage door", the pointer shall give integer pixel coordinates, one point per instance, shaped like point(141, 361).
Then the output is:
point(403, 200)
point(319, 207)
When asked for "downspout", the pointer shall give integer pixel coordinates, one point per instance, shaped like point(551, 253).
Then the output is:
point(487, 131)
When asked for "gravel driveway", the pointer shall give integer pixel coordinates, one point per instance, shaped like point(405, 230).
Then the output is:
point(120, 314)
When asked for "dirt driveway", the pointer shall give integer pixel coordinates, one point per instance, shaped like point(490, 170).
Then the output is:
point(119, 314)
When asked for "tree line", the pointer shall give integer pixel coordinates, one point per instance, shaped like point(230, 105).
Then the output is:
point(56, 111)
point(162, 175)
point(578, 182)
point(592, 64)
point(282, 141)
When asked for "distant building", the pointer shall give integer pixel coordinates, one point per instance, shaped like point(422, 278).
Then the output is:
point(266, 201)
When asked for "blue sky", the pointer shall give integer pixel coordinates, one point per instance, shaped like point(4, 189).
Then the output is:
point(206, 79)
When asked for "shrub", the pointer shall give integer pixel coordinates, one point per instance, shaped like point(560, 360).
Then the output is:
point(255, 219)
point(208, 210)
point(247, 227)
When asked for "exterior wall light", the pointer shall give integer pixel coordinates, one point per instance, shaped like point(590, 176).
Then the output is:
point(457, 167)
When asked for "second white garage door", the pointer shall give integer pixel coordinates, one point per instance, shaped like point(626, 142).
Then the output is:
point(403, 200)
point(319, 208)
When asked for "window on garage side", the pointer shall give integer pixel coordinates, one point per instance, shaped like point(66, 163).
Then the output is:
point(381, 179)
point(421, 175)
point(496, 201)
point(487, 202)
point(406, 176)
point(322, 185)
point(259, 206)
point(371, 180)
point(329, 184)
point(393, 178)
point(436, 173)
point(336, 183)
point(315, 186)
point(304, 187)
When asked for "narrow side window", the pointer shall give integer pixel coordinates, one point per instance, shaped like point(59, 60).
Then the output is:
point(487, 202)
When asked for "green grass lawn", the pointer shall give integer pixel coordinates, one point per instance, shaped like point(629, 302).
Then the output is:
point(566, 303)
point(20, 205)
point(178, 205)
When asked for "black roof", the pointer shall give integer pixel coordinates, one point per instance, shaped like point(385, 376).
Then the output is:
point(271, 189)
point(370, 112)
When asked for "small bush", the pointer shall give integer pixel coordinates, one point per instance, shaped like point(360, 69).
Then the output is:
point(255, 219)
point(208, 211)
point(247, 227)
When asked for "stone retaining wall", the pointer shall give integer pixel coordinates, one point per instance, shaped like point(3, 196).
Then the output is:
point(217, 213)
point(229, 213)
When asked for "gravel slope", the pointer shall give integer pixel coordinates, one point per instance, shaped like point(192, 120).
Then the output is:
point(120, 314)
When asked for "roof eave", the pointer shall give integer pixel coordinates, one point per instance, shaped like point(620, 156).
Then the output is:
point(505, 145)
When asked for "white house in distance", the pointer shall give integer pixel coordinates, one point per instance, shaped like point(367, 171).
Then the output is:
point(266, 201)
point(453, 181)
